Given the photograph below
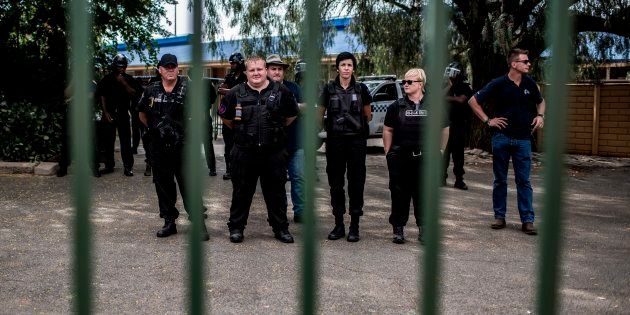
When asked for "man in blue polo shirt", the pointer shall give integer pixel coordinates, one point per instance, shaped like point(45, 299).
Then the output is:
point(519, 110)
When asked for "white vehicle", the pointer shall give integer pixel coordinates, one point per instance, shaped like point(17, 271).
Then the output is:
point(384, 91)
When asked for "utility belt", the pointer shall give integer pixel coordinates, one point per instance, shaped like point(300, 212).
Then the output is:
point(270, 148)
point(413, 151)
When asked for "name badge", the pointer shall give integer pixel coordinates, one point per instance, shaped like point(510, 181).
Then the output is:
point(354, 97)
point(416, 113)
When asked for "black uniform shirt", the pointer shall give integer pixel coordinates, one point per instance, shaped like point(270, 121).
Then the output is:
point(156, 101)
point(366, 98)
point(418, 118)
point(516, 103)
point(116, 96)
point(288, 105)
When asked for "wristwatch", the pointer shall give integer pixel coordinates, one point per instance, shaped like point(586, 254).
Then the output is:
point(541, 115)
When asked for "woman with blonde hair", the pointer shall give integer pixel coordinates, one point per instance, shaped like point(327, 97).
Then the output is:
point(404, 150)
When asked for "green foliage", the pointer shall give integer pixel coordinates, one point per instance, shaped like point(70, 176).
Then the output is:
point(30, 132)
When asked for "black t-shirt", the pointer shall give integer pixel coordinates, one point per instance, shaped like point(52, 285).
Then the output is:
point(418, 113)
point(288, 106)
point(155, 101)
point(117, 99)
point(516, 103)
point(460, 113)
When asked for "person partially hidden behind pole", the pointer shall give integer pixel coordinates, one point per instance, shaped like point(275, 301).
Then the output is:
point(457, 94)
point(161, 109)
point(258, 112)
point(519, 110)
point(295, 150)
point(234, 77)
point(405, 150)
point(117, 91)
point(347, 104)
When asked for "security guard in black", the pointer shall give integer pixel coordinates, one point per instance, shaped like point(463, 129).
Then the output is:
point(258, 112)
point(161, 109)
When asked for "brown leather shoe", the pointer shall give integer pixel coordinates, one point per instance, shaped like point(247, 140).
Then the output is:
point(528, 228)
point(498, 224)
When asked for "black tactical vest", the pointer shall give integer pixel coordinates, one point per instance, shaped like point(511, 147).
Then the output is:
point(410, 124)
point(261, 124)
point(344, 114)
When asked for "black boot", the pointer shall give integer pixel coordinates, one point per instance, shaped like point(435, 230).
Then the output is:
point(420, 239)
point(228, 172)
point(204, 232)
point(399, 235)
point(459, 184)
point(168, 229)
point(339, 231)
point(353, 231)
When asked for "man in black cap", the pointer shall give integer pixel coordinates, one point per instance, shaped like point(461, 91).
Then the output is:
point(116, 92)
point(161, 109)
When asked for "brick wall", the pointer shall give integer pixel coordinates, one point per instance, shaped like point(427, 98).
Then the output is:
point(599, 119)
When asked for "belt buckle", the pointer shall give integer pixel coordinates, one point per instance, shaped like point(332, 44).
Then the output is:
point(414, 154)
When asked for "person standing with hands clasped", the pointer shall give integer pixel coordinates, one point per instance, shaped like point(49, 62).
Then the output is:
point(162, 109)
point(348, 111)
point(404, 149)
point(519, 111)
point(258, 112)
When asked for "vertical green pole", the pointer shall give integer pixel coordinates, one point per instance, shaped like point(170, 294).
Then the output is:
point(195, 131)
point(558, 38)
point(311, 48)
point(435, 37)
point(81, 147)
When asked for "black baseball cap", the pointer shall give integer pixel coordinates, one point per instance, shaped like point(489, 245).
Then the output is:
point(168, 59)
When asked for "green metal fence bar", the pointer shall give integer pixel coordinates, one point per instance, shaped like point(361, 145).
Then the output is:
point(558, 38)
point(195, 133)
point(81, 147)
point(435, 37)
point(311, 49)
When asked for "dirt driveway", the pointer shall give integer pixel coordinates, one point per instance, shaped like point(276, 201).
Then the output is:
point(483, 271)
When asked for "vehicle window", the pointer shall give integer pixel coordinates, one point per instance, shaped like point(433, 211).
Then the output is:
point(386, 93)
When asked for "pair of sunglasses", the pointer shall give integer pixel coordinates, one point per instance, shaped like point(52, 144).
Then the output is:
point(410, 82)
point(526, 61)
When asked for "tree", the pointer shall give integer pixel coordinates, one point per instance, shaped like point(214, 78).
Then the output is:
point(481, 31)
point(34, 50)
point(34, 41)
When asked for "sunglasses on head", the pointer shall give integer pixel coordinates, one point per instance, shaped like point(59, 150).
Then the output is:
point(410, 82)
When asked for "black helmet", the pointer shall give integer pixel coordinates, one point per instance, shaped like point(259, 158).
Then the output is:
point(300, 66)
point(120, 61)
point(454, 70)
point(237, 58)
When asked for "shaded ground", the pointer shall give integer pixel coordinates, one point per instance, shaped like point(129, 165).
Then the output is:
point(483, 271)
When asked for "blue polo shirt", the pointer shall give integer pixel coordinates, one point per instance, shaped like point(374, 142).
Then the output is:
point(516, 103)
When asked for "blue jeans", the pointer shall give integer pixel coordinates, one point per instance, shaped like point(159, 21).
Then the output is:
point(504, 147)
point(296, 176)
